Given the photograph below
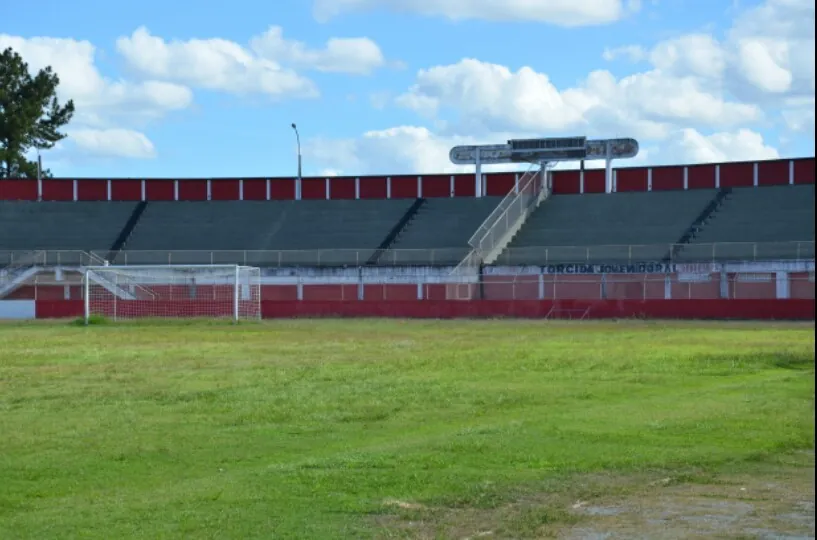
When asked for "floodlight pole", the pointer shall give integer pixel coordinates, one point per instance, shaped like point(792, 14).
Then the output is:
point(300, 172)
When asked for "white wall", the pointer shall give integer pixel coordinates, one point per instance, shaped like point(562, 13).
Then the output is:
point(17, 309)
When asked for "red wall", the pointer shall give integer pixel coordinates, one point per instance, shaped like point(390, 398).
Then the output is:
point(667, 178)
point(703, 177)
point(499, 184)
point(192, 190)
point(282, 189)
point(405, 187)
point(126, 190)
point(773, 172)
point(594, 181)
point(804, 171)
point(738, 175)
point(89, 189)
point(631, 180)
point(159, 190)
point(18, 190)
point(374, 187)
point(58, 190)
point(448, 309)
point(566, 182)
point(440, 186)
point(313, 188)
point(342, 188)
point(227, 189)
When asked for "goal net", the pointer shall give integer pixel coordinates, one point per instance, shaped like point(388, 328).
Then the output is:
point(172, 291)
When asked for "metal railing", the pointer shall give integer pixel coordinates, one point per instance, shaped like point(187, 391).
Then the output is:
point(447, 257)
point(510, 212)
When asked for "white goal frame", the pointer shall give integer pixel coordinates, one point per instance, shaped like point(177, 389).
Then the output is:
point(107, 289)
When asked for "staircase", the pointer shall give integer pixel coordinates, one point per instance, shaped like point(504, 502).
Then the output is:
point(706, 214)
point(20, 270)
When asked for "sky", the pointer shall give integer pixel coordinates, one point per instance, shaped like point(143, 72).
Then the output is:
point(184, 88)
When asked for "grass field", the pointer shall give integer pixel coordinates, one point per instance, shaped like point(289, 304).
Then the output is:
point(389, 429)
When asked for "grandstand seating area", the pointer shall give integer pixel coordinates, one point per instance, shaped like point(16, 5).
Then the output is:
point(605, 228)
point(755, 224)
point(598, 228)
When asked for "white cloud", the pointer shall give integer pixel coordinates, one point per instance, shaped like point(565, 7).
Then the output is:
point(402, 149)
point(693, 54)
point(93, 94)
point(359, 56)
point(101, 102)
point(215, 64)
point(741, 145)
point(632, 53)
point(490, 97)
point(121, 143)
point(413, 149)
point(568, 13)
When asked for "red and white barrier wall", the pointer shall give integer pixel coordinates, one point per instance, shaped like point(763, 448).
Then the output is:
point(677, 177)
point(793, 309)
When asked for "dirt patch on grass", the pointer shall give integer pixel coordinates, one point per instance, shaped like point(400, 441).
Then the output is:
point(758, 500)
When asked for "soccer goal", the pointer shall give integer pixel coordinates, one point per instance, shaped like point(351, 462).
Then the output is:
point(172, 291)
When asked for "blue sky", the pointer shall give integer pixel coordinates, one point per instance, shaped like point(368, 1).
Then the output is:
point(184, 89)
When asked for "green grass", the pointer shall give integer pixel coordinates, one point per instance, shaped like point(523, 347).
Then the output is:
point(306, 429)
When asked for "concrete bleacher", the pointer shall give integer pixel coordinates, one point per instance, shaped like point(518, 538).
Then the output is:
point(756, 224)
point(605, 228)
point(263, 233)
point(439, 232)
point(63, 228)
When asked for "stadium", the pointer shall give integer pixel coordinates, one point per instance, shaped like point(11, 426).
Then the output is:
point(729, 240)
point(150, 414)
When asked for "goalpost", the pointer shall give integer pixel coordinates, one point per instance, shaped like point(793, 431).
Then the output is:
point(165, 291)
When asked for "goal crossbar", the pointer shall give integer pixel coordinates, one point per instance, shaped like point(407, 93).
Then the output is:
point(194, 290)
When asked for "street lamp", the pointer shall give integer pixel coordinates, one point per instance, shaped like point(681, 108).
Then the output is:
point(298, 183)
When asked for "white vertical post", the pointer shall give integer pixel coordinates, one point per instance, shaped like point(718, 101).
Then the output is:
point(75, 186)
point(791, 172)
point(268, 186)
point(328, 189)
point(108, 187)
point(755, 174)
point(357, 188)
point(782, 285)
point(478, 176)
point(298, 189)
point(175, 190)
point(419, 187)
point(649, 179)
point(608, 166)
point(241, 189)
point(144, 190)
point(686, 177)
point(388, 187)
point(209, 189)
point(236, 292)
point(451, 192)
point(87, 299)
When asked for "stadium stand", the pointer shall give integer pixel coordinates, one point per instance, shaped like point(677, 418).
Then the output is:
point(441, 225)
point(752, 224)
point(598, 228)
point(348, 232)
point(67, 226)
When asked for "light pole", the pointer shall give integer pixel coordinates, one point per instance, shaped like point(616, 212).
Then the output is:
point(298, 181)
